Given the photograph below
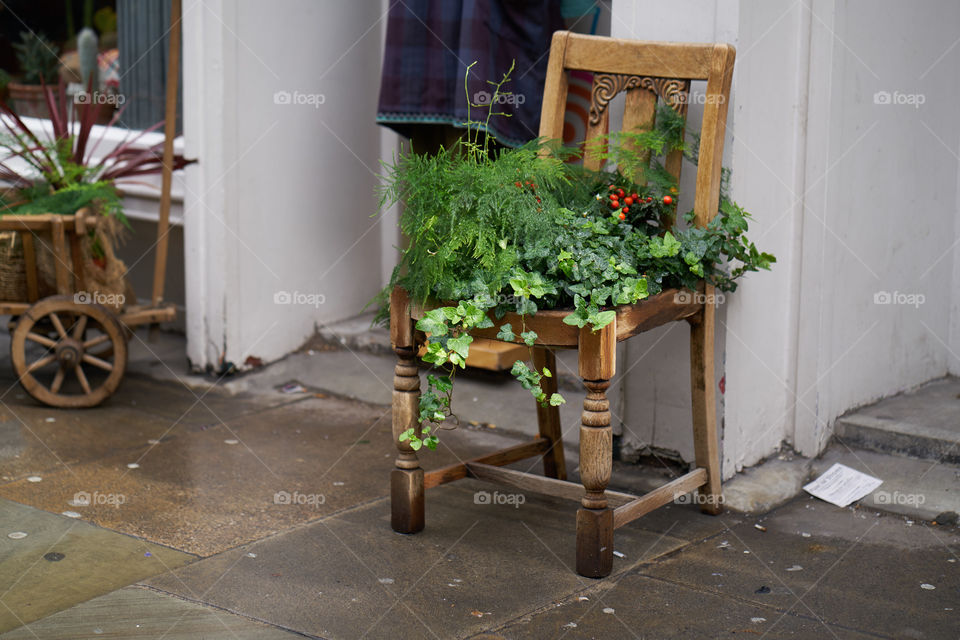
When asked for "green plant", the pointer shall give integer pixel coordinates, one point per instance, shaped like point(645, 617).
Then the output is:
point(87, 49)
point(38, 59)
point(525, 230)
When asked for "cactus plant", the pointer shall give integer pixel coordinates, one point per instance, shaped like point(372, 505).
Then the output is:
point(87, 48)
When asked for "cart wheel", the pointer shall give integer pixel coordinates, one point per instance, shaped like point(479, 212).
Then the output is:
point(67, 354)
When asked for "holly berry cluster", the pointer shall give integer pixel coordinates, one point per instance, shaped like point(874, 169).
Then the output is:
point(620, 201)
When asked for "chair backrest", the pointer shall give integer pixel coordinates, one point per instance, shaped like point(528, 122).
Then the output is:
point(647, 71)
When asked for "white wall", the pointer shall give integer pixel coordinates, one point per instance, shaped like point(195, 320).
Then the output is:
point(282, 197)
point(882, 207)
point(853, 197)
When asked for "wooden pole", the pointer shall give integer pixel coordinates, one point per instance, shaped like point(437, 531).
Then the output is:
point(169, 132)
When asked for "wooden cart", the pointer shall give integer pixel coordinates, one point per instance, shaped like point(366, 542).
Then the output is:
point(67, 349)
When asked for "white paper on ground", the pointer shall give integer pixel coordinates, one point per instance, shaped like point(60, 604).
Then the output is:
point(841, 485)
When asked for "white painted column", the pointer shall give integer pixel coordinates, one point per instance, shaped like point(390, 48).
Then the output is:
point(279, 108)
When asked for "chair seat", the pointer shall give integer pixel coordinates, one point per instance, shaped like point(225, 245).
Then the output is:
point(632, 319)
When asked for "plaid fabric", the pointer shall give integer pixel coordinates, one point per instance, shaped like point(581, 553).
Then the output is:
point(429, 45)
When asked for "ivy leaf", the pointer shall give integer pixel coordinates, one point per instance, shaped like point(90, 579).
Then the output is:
point(665, 247)
point(556, 400)
point(529, 337)
point(546, 373)
point(579, 318)
point(526, 307)
point(442, 383)
point(452, 314)
point(602, 319)
point(435, 353)
point(429, 324)
point(506, 333)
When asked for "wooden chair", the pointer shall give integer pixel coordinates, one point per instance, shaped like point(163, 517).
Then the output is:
point(648, 72)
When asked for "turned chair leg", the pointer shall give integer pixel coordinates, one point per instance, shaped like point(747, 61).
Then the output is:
point(548, 418)
point(703, 385)
point(406, 481)
point(595, 518)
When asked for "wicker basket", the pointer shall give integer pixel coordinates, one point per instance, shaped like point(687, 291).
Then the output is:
point(108, 279)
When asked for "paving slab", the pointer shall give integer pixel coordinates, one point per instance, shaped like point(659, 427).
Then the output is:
point(474, 566)
point(62, 561)
point(207, 490)
point(636, 606)
point(855, 568)
point(134, 612)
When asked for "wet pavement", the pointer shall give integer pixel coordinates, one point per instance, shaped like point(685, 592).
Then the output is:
point(203, 514)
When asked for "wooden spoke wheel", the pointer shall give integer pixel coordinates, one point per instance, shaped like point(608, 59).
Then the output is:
point(68, 354)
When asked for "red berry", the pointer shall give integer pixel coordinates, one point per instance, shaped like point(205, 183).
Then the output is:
point(649, 199)
point(612, 187)
point(614, 196)
point(538, 199)
point(620, 192)
point(614, 204)
point(623, 216)
point(667, 200)
point(635, 197)
point(628, 201)
point(518, 184)
point(626, 209)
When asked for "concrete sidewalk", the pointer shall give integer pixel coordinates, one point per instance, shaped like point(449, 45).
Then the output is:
point(238, 511)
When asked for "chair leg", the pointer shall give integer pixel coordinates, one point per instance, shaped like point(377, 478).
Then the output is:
point(548, 418)
point(702, 383)
point(406, 480)
point(595, 518)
